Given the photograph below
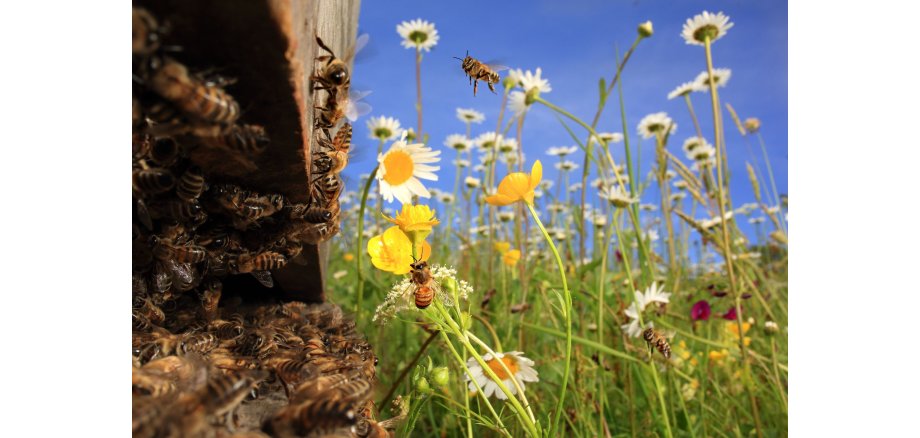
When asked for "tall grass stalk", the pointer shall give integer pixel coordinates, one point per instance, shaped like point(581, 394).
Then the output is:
point(360, 235)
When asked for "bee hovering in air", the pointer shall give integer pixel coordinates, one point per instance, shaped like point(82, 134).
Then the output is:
point(480, 71)
point(425, 285)
point(658, 341)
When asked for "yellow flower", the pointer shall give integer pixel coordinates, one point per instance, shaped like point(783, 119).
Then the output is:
point(511, 257)
point(731, 327)
point(348, 257)
point(415, 221)
point(518, 186)
point(718, 355)
point(502, 247)
point(392, 251)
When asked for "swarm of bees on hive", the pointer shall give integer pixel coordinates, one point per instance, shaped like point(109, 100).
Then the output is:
point(202, 367)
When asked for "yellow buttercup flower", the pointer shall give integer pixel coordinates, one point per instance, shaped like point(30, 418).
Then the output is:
point(415, 221)
point(731, 327)
point(392, 251)
point(511, 257)
point(717, 356)
point(518, 186)
point(348, 257)
point(502, 247)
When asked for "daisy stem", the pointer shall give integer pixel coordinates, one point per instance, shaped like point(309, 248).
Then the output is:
point(716, 118)
point(665, 189)
point(418, 89)
point(514, 379)
point(358, 250)
point(779, 204)
point(463, 336)
point(568, 317)
point(469, 373)
point(696, 122)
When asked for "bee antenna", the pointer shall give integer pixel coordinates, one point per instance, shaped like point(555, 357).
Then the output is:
point(457, 58)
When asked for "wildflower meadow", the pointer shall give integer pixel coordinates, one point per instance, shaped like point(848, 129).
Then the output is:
point(582, 289)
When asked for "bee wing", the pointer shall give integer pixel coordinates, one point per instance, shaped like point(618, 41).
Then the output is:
point(496, 65)
point(356, 109)
point(181, 271)
point(264, 277)
point(360, 43)
point(355, 95)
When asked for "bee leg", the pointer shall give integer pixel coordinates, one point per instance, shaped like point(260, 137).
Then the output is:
point(475, 84)
point(491, 87)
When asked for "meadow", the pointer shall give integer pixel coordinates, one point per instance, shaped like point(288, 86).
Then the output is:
point(615, 299)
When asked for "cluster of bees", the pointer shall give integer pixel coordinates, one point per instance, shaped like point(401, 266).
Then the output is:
point(202, 367)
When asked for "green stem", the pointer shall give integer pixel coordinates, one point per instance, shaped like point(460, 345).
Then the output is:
point(568, 319)
point(779, 204)
point(359, 251)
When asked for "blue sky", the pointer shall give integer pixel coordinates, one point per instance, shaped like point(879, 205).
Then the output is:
point(574, 43)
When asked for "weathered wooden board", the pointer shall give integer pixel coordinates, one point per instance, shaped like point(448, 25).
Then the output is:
point(268, 48)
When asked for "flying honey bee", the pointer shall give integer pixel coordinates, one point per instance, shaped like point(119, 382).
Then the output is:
point(425, 285)
point(658, 341)
point(200, 100)
point(480, 71)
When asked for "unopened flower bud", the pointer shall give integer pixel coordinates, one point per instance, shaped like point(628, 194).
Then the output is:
point(440, 376)
point(752, 124)
point(645, 29)
point(770, 328)
point(422, 385)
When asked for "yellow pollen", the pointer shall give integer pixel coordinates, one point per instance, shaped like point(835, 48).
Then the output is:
point(499, 371)
point(399, 167)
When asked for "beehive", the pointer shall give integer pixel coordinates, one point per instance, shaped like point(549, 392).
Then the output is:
point(223, 167)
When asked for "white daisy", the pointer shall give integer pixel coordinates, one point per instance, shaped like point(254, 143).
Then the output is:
point(508, 145)
point(338, 275)
point(746, 208)
point(681, 184)
point(505, 216)
point(472, 182)
point(616, 196)
point(720, 77)
point(488, 140)
point(709, 223)
point(529, 80)
point(556, 207)
point(693, 142)
point(479, 168)
point(402, 166)
point(546, 184)
point(656, 123)
point(575, 187)
point(566, 165)
point(648, 207)
point(670, 174)
point(561, 151)
point(704, 25)
point(462, 163)
point(458, 142)
point(679, 196)
point(683, 90)
point(419, 34)
point(384, 128)
point(521, 370)
point(446, 198)
point(609, 137)
point(598, 219)
point(517, 103)
point(702, 153)
point(469, 115)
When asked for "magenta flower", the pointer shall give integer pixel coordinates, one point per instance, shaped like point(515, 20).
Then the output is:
point(700, 311)
point(731, 315)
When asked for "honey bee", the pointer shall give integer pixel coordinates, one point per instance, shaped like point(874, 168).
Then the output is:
point(425, 285)
point(146, 34)
point(326, 188)
point(210, 297)
point(337, 155)
point(333, 75)
point(198, 343)
point(316, 233)
point(658, 341)
point(226, 391)
point(152, 181)
point(292, 372)
point(248, 139)
point(313, 415)
point(202, 101)
point(480, 71)
point(261, 262)
point(164, 151)
point(190, 184)
point(145, 383)
point(180, 253)
point(226, 330)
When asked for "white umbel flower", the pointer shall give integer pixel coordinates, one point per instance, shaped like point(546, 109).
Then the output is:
point(616, 196)
point(402, 166)
point(528, 80)
point(720, 77)
point(683, 90)
point(561, 151)
point(401, 297)
point(704, 25)
point(521, 370)
point(458, 142)
point(419, 34)
point(656, 123)
point(384, 128)
point(469, 115)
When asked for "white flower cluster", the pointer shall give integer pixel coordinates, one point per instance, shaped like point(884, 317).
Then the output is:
point(402, 296)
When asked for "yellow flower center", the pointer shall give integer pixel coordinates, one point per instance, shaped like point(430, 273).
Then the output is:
point(499, 371)
point(399, 167)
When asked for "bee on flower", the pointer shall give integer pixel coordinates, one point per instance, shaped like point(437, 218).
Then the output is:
point(401, 297)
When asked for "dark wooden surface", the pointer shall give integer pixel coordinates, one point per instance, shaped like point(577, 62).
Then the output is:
point(268, 48)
